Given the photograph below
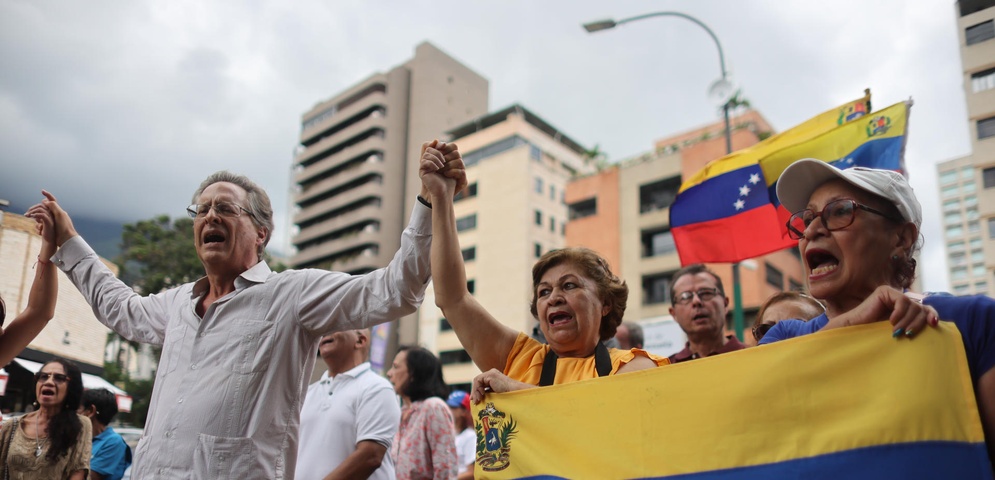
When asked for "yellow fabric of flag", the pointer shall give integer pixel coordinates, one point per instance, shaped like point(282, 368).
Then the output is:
point(802, 132)
point(853, 401)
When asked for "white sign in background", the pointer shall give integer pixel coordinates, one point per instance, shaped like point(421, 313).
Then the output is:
point(662, 335)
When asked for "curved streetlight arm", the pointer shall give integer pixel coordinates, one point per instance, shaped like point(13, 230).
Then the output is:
point(606, 24)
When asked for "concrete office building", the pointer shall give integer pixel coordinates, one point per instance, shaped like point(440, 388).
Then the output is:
point(967, 184)
point(624, 212)
point(518, 166)
point(355, 171)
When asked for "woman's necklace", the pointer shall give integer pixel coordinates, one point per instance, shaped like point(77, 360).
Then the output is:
point(37, 438)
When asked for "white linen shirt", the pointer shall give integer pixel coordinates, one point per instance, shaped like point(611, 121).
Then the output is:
point(340, 412)
point(229, 386)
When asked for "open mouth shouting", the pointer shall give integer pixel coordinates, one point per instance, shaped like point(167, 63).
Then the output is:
point(558, 318)
point(820, 263)
point(47, 394)
point(213, 237)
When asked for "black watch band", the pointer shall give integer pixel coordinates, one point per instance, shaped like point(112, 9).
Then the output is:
point(424, 202)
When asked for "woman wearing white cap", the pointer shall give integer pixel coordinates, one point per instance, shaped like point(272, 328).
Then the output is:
point(858, 230)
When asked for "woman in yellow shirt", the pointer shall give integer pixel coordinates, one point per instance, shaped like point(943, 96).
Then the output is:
point(577, 300)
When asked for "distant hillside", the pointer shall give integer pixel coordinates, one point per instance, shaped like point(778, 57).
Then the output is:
point(103, 235)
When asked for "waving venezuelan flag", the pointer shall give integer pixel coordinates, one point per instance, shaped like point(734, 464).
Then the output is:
point(729, 211)
point(849, 403)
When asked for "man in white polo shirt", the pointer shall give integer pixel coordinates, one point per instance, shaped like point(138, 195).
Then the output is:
point(349, 416)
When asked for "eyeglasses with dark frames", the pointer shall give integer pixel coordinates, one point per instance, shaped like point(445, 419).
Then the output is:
point(836, 215)
point(42, 377)
point(223, 209)
point(704, 294)
point(760, 330)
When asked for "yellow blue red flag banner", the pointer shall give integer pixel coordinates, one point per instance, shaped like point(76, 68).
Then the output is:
point(848, 403)
point(729, 211)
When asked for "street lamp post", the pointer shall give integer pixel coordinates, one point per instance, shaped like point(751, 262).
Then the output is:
point(722, 83)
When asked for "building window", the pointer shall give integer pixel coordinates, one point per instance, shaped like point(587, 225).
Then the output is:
point(988, 177)
point(977, 255)
point(983, 80)
point(955, 231)
point(952, 218)
point(537, 250)
point(468, 192)
point(657, 242)
point(471, 286)
point(979, 33)
point(958, 273)
point(970, 201)
point(956, 246)
point(795, 286)
point(958, 258)
point(981, 288)
point(991, 231)
point(973, 227)
point(538, 218)
point(500, 146)
point(961, 289)
point(538, 185)
point(969, 187)
point(948, 177)
point(658, 195)
point(469, 254)
point(967, 173)
point(976, 242)
point(552, 192)
point(656, 288)
point(444, 325)
point(583, 208)
point(468, 222)
point(450, 357)
point(535, 153)
point(978, 270)
point(951, 204)
point(774, 277)
point(552, 224)
point(950, 190)
point(986, 128)
point(972, 213)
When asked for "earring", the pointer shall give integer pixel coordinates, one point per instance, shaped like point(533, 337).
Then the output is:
point(894, 258)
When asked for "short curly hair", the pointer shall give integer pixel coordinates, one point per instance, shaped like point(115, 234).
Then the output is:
point(612, 290)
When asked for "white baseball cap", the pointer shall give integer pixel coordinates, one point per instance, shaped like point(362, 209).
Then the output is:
point(800, 179)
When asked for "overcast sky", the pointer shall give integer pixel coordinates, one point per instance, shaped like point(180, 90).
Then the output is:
point(122, 108)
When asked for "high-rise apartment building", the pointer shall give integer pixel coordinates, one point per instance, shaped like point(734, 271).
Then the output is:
point(513, 211)
point(967, 184)
point(624, 213)
point(355, 171)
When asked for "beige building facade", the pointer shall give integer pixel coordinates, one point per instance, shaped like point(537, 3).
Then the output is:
point(518, 166)
point(355, 169)
point(967, 184)
point(631, 202)
point(74, 333)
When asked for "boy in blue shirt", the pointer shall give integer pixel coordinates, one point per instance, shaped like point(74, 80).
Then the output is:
point(110, 456)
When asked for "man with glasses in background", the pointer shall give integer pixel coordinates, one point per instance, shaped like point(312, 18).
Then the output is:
point(699, 306)
point(239, 345)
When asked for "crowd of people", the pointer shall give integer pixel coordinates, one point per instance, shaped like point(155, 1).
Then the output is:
point(232, 397)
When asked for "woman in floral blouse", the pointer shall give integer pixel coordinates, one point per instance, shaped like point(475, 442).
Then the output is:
point(424, 446)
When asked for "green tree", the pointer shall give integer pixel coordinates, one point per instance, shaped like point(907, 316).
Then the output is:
point(158, 254)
